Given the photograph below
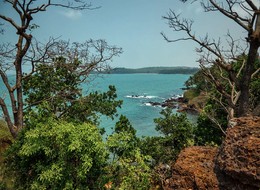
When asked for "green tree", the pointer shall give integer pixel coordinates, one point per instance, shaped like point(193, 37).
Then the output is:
point(198, 82)
point(131, 172)
point(57, 155)
point(177, 133)
point(206, 132)
point(93, 55)
point(61, 94)
point(129, 168)
point(123, 141)
point(6, 140)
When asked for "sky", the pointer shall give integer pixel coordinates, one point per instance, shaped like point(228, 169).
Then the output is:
point(134, 25)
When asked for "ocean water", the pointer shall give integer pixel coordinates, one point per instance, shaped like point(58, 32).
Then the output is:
point(136, 91)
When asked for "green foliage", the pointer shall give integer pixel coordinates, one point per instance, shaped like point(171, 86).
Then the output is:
point(177, 133)
point(57, 155)
point(88, 108)
point(124, 125)
point(124, 140)
point(5, 141)
point(255, 91)
point(131, 172)
point(5, 135)
point(190, 94)
point(129, 168)
point(64, 101)
point(157, 149)
point(206, 132)
point(255, 88)
point(60, 94)
point(198, 82)
point(177, 126)
point(61, 84)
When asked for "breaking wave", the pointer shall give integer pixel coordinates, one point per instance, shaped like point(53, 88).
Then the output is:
point(141, 96)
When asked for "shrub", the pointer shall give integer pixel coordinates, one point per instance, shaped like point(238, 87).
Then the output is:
point(57, 155)
point(129, 168)
point(177, 133)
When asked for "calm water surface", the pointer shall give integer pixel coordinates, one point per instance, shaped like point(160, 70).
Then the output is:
point(136, 91)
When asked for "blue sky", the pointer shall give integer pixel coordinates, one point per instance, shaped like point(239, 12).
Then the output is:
point(134, 25)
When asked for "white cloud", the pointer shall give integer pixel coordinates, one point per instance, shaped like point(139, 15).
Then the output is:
point(72, 14)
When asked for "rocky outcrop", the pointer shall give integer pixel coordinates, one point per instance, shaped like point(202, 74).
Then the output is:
point(195, 100)
point(238, 160)
point(194, 169)
point(179, 103)
point(234, 166)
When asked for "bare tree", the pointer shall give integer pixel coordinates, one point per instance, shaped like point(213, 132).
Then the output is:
point(28, 50)
point(212, 52)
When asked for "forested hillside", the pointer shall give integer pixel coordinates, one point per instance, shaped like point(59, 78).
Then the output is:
point(158, 70)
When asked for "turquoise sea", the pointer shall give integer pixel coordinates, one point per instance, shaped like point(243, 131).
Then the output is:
point(136, 91)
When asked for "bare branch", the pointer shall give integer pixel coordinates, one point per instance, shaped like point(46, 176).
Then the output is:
point(7, 117)
point(11, 21)
point(16, 57)
point(228, 12)
point(252, 5)
point(255, 73)
point(226, 56)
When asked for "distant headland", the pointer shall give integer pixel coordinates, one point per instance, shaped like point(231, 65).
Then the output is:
point(155, 70)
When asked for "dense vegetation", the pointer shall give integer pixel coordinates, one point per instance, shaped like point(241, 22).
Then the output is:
point(61, 146)
point(51, 137)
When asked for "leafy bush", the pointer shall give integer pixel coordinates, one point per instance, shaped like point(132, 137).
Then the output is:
point(132, 172)
point(123, 141)
point(177, 133)
point(57, 155)
point(5, 135)
point(5, 140)
point(206, 132)
point(129, 168)
point(61, 94)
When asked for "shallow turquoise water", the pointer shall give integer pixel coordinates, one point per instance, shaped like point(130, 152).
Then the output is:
point(136, 90)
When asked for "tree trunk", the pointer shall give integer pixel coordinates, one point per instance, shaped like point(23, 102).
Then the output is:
point(19, 114)
point(254, 41)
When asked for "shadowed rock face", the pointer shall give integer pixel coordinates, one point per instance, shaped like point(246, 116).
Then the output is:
point(234, 166)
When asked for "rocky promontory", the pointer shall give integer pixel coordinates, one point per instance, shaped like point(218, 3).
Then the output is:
point(180, 103)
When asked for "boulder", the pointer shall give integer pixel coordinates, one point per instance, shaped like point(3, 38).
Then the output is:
point(238, 159)
point(194, 169)
point(233, 166)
